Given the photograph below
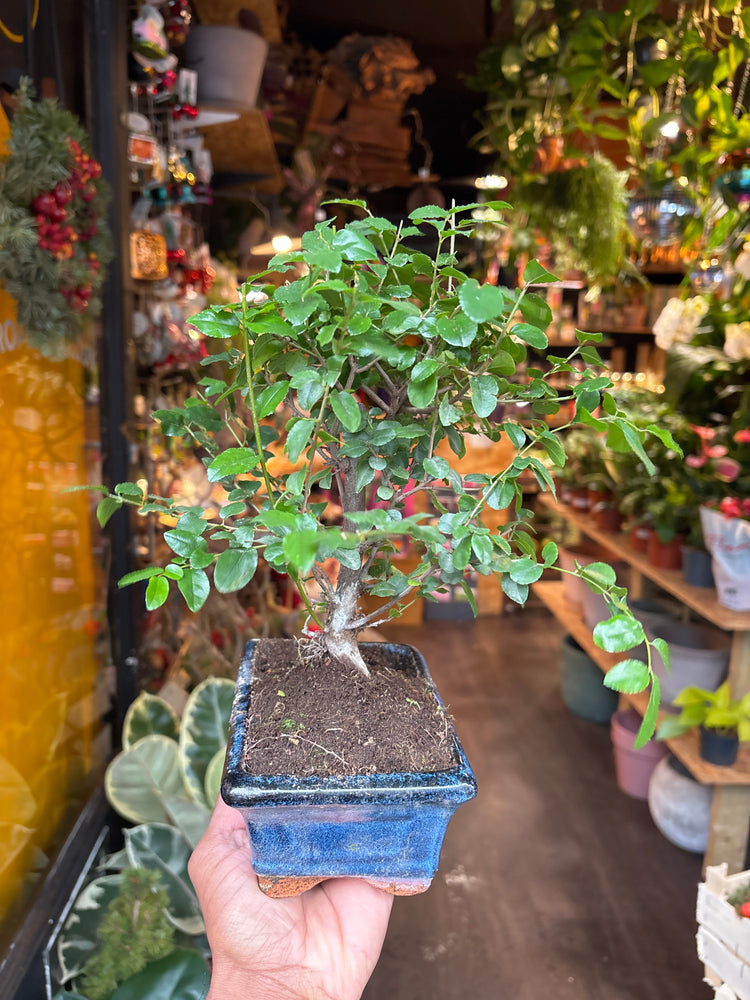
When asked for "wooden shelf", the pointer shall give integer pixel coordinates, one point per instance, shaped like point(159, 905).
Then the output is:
point(700, 599)
point(685, 748)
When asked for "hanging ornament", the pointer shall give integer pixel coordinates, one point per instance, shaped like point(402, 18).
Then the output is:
point(734, 184)
point(660, 220)
point(149, 38)
point(177, 20)
point(708, 274)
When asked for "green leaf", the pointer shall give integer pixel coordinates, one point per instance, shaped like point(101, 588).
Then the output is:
point(298, 437)
point(132, 490)
point(500, 494)
point(516, 434)
point(180, 975)
point(628, 676)
point(106, 508)
point(217, 321)
point(652, 713)
point(234, 569)
point(232, 462)
point(481, 302)
point(147, 715)
point(194, 587)
point(619, 633)
point(320, 253)
point(354, 246)
point(549, 553)
point(470, 597)
point(663, 650)
point(525, 571)
point(534, 274)
point(517, 592)
point(421, 394)
point(483, 548)
point(271, 397)
point(212, 784)
point(138, 778)
point(600, 574)
point(458, 331)
point(204, 731)
point(536, 311)
point(530, 335)
point(301, 549)
point(448, 413)
point(139, 574)
point(157, 592)
point(347, 409)
point(484, 395)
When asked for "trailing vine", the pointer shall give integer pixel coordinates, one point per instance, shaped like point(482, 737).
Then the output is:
point(54, 238)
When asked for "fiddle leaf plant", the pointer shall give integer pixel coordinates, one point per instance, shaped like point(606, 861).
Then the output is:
point(363, 374)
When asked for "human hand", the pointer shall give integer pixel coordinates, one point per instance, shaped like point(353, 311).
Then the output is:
point(321, 945)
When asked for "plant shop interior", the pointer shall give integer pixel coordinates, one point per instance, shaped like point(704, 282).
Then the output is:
point(337, 340)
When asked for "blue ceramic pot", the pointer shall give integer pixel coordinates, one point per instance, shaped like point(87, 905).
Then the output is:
point(719, 747)
point(386, 828)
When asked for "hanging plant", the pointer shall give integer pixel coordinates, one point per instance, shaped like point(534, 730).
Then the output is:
point(54, 238)
point(582, 212)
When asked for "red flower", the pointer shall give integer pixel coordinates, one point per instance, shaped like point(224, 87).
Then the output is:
point(727, 470)
point(730, 507)
point(743, 436)
point(704, 433)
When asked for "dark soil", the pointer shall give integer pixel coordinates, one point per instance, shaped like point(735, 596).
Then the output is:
point(310, 715)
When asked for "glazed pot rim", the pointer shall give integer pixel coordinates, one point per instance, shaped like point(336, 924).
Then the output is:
point(240, 788)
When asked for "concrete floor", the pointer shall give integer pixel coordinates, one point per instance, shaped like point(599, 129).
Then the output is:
point(553, 883)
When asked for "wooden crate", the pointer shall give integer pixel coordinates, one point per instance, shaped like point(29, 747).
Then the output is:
point(723, 937)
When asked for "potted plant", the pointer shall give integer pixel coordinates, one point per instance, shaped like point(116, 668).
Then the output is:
point(380, 353)
point(724, 722)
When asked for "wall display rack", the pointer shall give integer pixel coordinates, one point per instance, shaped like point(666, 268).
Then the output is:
point(729, 831)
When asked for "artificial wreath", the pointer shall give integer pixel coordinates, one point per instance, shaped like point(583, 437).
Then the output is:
point(54, 239)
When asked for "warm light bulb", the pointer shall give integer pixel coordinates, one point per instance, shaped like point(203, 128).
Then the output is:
point(491, 182)
point(281, 243)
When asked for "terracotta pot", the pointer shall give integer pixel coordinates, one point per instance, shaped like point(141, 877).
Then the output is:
point(638, 537)
point(598, 496)
point(384, 828)
point(607, 517)
point(579, 500)
point(664, 555)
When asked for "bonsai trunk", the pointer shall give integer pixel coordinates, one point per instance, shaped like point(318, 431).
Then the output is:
point(339, 636)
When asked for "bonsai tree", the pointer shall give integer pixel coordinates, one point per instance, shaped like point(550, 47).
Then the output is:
point(380, 353)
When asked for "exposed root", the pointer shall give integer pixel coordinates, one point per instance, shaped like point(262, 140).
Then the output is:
point(317, 649)
point(343, 647)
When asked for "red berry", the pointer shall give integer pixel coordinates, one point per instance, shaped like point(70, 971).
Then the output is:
point(62, 193)
point(44, 203)
point(58, 214)
point(744, 909)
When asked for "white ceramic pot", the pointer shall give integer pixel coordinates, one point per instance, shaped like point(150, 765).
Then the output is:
point(699, 656)
point(229, 62)
point(680, 806)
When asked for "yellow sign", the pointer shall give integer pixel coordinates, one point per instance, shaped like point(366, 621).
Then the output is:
point(50, 681)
